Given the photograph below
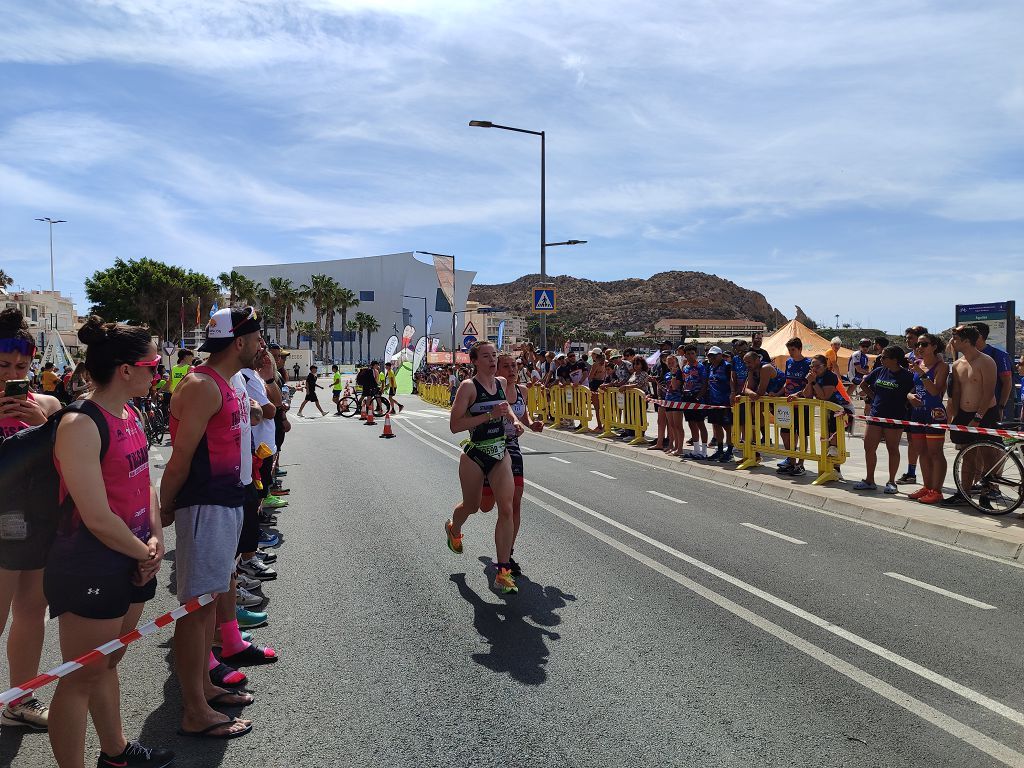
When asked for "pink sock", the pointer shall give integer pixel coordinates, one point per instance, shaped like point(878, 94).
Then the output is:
point(231, 638)
point(234, 678)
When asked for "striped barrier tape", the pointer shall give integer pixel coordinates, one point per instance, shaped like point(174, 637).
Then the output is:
point(949, 427)
point(106, 649)
point(673, 406)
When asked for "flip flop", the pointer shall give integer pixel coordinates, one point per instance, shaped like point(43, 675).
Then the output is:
point(208, 732)
point(251, 656)
point(218, 700)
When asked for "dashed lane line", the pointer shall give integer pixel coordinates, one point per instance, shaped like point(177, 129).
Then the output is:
point(563, 461)
point(667, 497)
point(770, 532)
point(601, 474)
point(941, 591)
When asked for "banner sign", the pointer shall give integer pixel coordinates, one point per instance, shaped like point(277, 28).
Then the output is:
point(421, 349)
point(1000, 316)
point(390, 348)
point(445, 268)
point(501, 335)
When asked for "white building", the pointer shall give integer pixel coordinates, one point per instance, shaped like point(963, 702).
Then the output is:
point(45, 312)
point(485, 319)
point(392, 288)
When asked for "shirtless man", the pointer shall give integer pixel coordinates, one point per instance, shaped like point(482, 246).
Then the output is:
point(971, 403)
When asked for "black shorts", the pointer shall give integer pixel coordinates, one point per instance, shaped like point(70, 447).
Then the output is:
point(312, 398)
point(249, 538)
point(696, 414)
point(392, 392)
point(335, 395)
point(964, 418)
point(937, 416)
point(804, 411)
point(516, 457)
point(485, 461)
point(722, 417)
point(85, 577)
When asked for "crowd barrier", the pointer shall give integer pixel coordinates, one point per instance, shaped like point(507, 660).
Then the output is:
point(624, 408)
point(435, 394)
point(758, 426)
point(570, 404)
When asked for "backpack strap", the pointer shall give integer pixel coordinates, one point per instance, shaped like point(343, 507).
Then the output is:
point(93, 411)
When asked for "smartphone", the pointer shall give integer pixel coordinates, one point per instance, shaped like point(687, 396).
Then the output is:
point(16, 388)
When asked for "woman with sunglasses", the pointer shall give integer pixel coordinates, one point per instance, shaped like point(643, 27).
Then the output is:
point(930, 374)
point(103, 563)
point(21, 579)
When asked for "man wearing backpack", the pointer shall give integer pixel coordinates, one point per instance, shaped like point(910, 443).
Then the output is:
point(202, 493)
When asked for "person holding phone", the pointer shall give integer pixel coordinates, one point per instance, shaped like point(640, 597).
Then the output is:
point(21, 582)
point(102, 567)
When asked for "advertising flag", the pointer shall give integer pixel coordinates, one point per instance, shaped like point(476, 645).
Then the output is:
point(445, 268)
point(421, 350)
point(213, 309)
point(390, 348)
point(501, 335)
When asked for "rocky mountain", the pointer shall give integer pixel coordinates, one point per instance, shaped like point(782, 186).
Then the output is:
point(636, 304)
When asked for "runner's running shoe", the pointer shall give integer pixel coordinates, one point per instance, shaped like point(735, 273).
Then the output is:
point(30, 713)
point(274, 502)
point(267, 557)
point(269, 539)
point(242, 580)
point(454, 542)
point(136, 754)
point(505, 582)
point(514, 567)
point(257, 569)
point(246, 599)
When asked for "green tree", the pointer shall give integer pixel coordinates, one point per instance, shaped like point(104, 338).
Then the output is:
point(149, 292)
point(304, 328)
point(6, 281)
point(368, 324)
point(286, 299)
point(320, 291)
point(353, 327)
point(230, 282)
point(345, 300)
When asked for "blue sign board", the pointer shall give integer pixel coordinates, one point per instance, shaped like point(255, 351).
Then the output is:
point(544, 299)
point(468, 341)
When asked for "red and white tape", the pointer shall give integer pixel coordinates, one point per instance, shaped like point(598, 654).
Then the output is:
point(673, 406)
point(949, 427)
point(104, 650)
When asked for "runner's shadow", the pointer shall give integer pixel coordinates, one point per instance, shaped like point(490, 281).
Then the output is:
point(517, 647)
point(10, 743)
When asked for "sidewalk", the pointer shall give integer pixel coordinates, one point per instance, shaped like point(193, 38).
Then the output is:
point(1001, 537)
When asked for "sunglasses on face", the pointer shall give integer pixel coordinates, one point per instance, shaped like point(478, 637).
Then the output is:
point(250, 314)
point(922, 344)
point(21, 346)
point(146, 363)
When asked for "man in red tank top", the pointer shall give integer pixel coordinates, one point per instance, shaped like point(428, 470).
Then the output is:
point(202, 493)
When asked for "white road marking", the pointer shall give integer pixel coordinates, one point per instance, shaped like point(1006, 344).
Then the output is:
point(527, 449)
point(446, 414)
point(667, 497)
point(773, 533)
point(941, 591)
point(601, 474)
point(555, 458)
point(965, 733)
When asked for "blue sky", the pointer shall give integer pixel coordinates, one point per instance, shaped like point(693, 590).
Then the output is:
point(861, 158)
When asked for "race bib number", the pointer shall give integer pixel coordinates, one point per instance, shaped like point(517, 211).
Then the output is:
point(784, 416)
point(13, 527)
point(495, 449)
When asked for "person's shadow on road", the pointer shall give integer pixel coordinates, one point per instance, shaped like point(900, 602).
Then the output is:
point(517, 647)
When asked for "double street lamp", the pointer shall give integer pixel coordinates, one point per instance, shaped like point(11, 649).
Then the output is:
point(543, 214)
point(51, 222)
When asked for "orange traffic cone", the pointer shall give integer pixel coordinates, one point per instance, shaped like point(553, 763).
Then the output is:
point(369, 414)
point(387, 426)
point(362, 410)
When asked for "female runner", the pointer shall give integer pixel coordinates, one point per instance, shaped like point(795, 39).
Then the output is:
point(481, 408)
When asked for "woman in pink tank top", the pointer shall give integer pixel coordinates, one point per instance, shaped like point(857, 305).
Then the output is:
point(21, 580)
point(102, 566)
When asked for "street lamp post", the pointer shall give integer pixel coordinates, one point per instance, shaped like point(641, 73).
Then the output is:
point(51, 222)
point(455, 279)
point(544, 245)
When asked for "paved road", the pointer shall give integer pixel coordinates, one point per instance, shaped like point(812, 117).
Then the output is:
point(649, 631)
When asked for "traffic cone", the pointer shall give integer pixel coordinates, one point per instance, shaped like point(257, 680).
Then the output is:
point(362, 411)
point(387, 426)
point(369, 415)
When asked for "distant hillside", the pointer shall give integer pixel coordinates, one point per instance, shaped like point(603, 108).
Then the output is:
point(635, 304)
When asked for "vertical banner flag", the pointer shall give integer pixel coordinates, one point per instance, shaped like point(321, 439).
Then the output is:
point(501, 335)
point(445, 268)
point(430, 323)
point(213, 309)
point(199, 313)
point(390, 348)
point(407, 335)
point(421, 350)
point(435, 344)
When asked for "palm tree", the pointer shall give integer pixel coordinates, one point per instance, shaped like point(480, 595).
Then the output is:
point(369, 324)
point(246, 291)
point(353, 328)
point(6, 280)
point(320, 292)
point(286, 297)
point(230, 282)
point(305, 328)
point(345, 300)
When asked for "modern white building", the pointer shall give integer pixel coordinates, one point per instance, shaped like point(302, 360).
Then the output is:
point(392, 288)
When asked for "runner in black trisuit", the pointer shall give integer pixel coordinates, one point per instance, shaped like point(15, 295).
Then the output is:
point(481, 408)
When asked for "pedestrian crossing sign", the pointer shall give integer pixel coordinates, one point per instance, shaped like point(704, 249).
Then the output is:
point(470, 329)
point(544, 299)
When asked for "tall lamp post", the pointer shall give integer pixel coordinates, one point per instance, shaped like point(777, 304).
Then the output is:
point(51, 222)
point(455, 278)
point(427, 342)
point(544, 245)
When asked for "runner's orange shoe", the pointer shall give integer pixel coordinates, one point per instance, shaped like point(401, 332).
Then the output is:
point(454, 542)
point(505, 582)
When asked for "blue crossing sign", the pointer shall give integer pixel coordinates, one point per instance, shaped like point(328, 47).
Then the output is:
point(544, 299)
point(468, 341)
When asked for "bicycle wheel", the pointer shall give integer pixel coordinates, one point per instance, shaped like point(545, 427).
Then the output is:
point(997, 474)
point(349, 407)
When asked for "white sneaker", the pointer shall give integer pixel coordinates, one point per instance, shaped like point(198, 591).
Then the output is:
point(31, 713)
point(246, 582)
point(246, 599)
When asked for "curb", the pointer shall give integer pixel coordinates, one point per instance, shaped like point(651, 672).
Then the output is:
point(1001, 547)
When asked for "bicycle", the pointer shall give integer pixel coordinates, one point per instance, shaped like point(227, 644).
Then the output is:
point(998, 472)
point(153, 422)
point(351, 403)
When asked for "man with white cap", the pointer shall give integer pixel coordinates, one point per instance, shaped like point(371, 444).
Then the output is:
point(720, 393)
point(202, 493)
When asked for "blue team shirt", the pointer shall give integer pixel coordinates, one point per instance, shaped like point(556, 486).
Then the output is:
point(1003, 366)
point(796, 375)
point(740, 367)
point(720, 384)
point(694, 377)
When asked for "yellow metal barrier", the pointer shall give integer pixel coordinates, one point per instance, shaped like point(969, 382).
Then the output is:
point(806, 421)
point(537, 402)
point(435, 394)
point(624, 408)
point(571, 403)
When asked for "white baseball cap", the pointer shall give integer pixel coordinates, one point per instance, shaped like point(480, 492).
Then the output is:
point(715, 351)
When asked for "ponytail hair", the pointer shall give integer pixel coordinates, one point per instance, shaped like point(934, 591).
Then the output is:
point(109, 345)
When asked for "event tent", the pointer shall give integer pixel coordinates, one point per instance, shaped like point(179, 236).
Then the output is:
point(775, 345)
